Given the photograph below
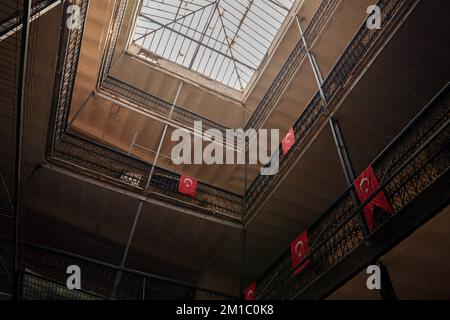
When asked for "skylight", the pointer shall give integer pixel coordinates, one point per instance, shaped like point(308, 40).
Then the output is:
point(225, 40)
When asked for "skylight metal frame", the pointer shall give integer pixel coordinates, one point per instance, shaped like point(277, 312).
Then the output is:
point(224, 40)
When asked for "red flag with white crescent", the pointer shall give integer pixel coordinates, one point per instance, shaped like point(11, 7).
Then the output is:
point(288, 141)
point(299, 250)
point(250, 293)
point(365, 186)
point(187, 186)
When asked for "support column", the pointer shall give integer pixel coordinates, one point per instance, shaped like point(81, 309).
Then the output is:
point(344, 158)
point(314, 65)
point(349, 172)
point(244, 208)
point(387, 291)
point(19, 136)
point(141, 202)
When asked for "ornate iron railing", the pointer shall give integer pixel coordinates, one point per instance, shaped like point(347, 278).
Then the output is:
point(144, 99)
point(218, 202)
point(108, 165)
point(111, 165)
point(69, 53)
point(155, 104)
point(336, 82)
point(45, 278)
point(418, 157)
point(265, 106)
point(291, 65)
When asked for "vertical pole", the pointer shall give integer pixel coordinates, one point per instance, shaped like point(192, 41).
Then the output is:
point(244, 207)
point(144, 283)
point(141, 202)
point(387, 288)
point(315, 66)
point(133, 142)
point(20, 109)
point(348, 170)
point(244, 247)
point(344, 158)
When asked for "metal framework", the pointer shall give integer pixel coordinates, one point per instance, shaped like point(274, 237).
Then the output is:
point(130, 173)
point(411, 164)
point(225, 40)
point(19, 23)
point(336, 82)
point(44, 278)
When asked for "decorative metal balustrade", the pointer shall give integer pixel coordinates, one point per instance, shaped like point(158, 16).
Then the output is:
point(45, 278)
point(69, 53)
point(337, 81)
point(155, 104)
point(215, 201)
point(15, 119)
point(107, 165)
point(265, 106)
point(142, 98)
point(411, 164)
point(291, 65)
point(417, 158)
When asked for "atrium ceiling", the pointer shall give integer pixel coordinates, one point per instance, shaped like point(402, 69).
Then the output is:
point(225, 40)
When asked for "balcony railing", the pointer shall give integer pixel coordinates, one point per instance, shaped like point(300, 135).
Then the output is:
point(144, 99)
point(215, 201)
point(315, 111)
point(417, 158)
point(155, 104)
point(112, 166)
point(291, 65)
point(45, 278)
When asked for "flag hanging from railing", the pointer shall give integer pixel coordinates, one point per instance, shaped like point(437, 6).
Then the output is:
point(299, 250)
point(250, 292)
point(366, 184)
point(187, 186)
point(288, 141)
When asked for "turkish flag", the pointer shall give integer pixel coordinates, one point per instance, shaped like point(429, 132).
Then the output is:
point(299, 250)
point(365, 186)
point(288, 141)
point(187, 186)
point(250, 293)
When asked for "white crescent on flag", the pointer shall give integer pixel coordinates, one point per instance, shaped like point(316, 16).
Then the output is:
point(188, 182)
point(289, 138)
point(364, 185)
point(297, 246)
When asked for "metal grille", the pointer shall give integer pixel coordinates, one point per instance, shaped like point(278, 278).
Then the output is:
point(111, 166)
point(97, 280)
point(291, 66)
point(408, 166)
point(125, 171)
point(35, 287)
point(9, 68)
point(335, 83)
point(153, 103)
point(11, 51)
point(70, 45)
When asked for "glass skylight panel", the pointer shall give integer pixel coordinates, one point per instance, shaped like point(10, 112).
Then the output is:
point(225, 40)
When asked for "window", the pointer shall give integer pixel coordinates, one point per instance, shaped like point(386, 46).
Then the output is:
point(225, 40)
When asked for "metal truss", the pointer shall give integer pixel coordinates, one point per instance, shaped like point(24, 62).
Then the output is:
point(225, 40)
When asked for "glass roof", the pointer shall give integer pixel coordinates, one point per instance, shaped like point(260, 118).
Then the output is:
point(225, 40)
